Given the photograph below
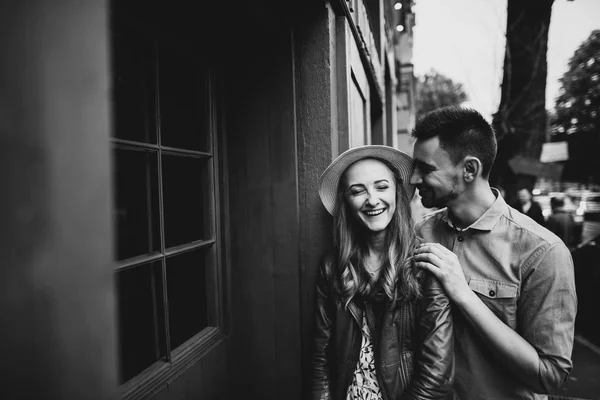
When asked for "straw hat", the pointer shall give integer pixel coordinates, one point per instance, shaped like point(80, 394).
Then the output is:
point(330, 178)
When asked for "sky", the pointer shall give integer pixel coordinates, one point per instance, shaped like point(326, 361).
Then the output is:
point(464, 40)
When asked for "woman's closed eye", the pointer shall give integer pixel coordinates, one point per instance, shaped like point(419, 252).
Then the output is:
point(357, 192)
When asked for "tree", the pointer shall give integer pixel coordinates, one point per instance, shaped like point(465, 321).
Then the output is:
point(436, 90)
point(577, 112)
point(520, 122)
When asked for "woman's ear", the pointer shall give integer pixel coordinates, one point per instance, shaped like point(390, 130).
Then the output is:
point(472, 168)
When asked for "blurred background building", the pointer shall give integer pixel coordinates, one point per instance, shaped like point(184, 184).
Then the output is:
point(407, 89)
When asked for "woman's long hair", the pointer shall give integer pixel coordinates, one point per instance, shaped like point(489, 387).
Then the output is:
point(399, 277)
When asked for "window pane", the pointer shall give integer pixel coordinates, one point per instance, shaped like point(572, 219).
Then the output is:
point(358, 112)
point(136, 202)
point(141, 319)
point(183, 100)
point(133, 94)
point(186, 289)
point(186, 199)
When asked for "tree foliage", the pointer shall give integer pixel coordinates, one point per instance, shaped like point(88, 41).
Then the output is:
point(577, 111)
point(578, 101)
point(436, 90)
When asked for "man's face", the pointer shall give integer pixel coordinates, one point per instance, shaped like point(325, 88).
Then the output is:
point(524, 196)
point(434, 174)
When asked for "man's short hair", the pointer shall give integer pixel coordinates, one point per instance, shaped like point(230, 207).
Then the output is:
point(462, 132)
point(557, 202)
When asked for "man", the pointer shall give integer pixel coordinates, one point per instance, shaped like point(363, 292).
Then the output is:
point(510, 280)
point(528, 206)
point(561, 222)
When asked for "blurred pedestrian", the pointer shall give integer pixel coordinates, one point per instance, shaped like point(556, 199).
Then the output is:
point(528, 206)
point(383, 327)
point(562, 222)
point(511, 279)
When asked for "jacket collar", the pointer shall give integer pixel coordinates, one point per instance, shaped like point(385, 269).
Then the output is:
point(356, 312)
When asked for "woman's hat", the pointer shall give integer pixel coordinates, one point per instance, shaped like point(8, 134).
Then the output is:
point(330, 178)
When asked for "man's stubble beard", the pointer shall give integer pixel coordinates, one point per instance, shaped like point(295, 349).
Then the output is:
point(444, 200)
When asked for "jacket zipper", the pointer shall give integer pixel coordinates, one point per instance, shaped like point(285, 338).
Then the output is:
point(405, 331)
point(378, 370)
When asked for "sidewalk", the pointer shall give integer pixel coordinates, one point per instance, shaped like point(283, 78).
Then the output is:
point(584, 381)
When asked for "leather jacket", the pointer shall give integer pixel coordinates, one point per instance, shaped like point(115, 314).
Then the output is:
point(414, 355)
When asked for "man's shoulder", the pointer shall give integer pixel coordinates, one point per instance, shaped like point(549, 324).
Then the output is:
point(529, 230)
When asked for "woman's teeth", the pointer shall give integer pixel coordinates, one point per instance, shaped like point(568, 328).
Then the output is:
point(374, 212)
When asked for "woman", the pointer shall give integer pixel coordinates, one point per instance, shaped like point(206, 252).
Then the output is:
point(383, 327)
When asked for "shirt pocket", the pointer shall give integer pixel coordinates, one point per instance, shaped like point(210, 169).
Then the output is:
point(498, 296)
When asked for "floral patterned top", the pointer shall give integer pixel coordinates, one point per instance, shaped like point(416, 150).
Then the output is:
point(364, 384)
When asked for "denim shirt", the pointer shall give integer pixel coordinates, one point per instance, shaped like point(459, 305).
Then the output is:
point(524, 274)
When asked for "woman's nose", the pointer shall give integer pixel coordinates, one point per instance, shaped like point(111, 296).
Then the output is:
point(372, 200)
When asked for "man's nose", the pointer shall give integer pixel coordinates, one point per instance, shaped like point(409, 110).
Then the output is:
point(415, 177)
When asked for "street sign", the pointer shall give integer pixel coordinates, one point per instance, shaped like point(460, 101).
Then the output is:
point(554, 151)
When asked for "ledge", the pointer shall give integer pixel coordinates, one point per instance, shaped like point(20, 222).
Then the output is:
point(153, 379)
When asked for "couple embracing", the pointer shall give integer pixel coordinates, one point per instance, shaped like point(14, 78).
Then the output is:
point(477, 301)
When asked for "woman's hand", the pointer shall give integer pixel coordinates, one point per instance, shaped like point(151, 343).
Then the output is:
point(444, 265)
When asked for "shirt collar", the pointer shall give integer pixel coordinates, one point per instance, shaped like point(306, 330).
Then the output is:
point(487, 220)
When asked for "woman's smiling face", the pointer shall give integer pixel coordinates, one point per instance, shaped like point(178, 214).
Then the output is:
point(370, 192)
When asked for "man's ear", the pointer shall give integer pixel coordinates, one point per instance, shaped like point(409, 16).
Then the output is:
point(471, 169)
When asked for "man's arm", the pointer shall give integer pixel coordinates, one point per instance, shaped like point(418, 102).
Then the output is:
point(547, 309)
point(538, 358)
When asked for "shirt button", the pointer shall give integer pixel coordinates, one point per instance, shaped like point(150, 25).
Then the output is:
point(460, 239)
point(492, 293)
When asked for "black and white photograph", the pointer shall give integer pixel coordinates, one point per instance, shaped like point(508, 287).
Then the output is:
point(300, 200)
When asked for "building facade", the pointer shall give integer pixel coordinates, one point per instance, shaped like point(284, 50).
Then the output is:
point(162, 162)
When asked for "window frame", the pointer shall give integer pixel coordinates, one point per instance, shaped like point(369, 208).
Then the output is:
point(153, 378)
point(353, 90)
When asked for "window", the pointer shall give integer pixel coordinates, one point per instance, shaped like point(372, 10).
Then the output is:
point(354, 93)
point(165, 190)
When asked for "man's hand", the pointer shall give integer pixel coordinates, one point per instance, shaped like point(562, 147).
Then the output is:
point(444, 265)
